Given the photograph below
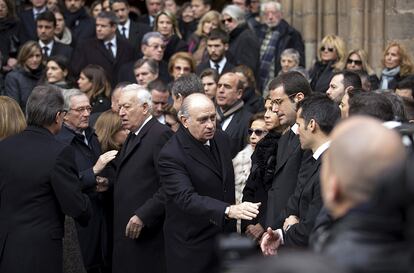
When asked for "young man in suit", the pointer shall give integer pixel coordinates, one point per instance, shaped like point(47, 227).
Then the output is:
point(153, 7)
point(217, 46)
point(127, 28)
point(106, 49)
point(316, 117)
point(39, 184)
point(46, 25)
point(198, 179)
point(286, 91)
point(27, 18)
point(138, 203)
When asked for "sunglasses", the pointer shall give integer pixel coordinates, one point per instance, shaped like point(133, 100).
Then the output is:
point(357, 62)
point(330, 49)
point(257, 132)
point(228, 20)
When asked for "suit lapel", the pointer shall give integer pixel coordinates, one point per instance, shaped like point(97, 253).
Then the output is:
point(133, 144)
point(104, 50)
point(195, 152)
point(290, 145)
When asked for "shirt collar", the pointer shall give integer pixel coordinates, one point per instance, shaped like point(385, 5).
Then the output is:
point(49, 45)
point(294, 128)
point(221, 63)
point(145, 122)
point(321, 150)
point(113, 41)
point(126, 25)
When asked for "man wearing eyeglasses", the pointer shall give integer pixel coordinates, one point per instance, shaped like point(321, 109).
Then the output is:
point(286, 91)
point(341, 83)
point(77, 133)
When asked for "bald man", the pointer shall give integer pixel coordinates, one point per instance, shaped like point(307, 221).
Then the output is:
point(197, 174)
point(361, 238)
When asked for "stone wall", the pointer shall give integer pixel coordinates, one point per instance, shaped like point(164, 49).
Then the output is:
point(367, 24)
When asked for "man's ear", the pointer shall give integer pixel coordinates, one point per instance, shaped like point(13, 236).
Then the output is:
point(299, 96)
point(146, 108)
point(184, 120)
point(312, 125)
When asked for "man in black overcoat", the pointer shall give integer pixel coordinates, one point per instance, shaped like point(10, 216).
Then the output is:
point(138, 207)
point(198, 179)
point(38, 184)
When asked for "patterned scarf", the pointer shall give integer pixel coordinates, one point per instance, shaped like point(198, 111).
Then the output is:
point(267, 55)
point(222, 116)
point(388, 75)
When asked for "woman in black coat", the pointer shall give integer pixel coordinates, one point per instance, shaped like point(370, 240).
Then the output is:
point(262, 172)
point(331, 58)
point(20, 82)
point(166, 24)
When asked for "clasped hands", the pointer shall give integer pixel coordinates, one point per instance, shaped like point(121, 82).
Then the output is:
point(245, 211)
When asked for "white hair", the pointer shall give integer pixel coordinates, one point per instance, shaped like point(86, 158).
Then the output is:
point(234, 12)
point(142, 94)
point(272, 4)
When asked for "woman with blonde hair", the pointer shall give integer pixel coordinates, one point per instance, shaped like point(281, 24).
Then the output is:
point(397, 65)
point(166, 24)
point(20, 82)
point(12, 120)
point(181, 63)
point(197, 43)
point(108, 128)
point(357, 60)
point(331, 58)
point(92, 81)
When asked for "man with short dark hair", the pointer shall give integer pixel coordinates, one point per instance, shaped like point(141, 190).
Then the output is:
point(286, 91)
point(127, 28)
point(341, 83)
point(217, 46)
point(46, 25)
point(153, 7)
point(159, 98)
point(27, 28)
point(78, 20)
point(371, 104)
point(316, 117)
point(209, 77)
point(197, 175)
point(39, 184)
point(199, 8)
point(106, 50)
point(183, 87)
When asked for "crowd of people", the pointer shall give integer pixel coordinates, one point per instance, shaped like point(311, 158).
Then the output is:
point(130, 140)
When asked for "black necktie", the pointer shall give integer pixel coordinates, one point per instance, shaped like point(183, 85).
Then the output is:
point(109, 47)
point(46, 51)
point(124, 32)
point(217, 66)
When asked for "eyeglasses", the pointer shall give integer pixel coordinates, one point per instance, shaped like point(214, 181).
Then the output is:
point(157, 46)
point(257, 132)
point(330, 49)
point(356, 62)
point(280, 101)
point(82, 109)
point(228, 20)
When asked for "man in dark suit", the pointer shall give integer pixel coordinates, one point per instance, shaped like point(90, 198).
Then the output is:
point(27, 28)
point(38, 184)
point(286, 91)
point(217, 46)
point(106, 50)
point(46, 25)
point(138, 208)
point(130, 30)
point(78, 20)
point(153, 7)
point(231, 113)
point(316, 117)
point(198, 179)
point(93, 239)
